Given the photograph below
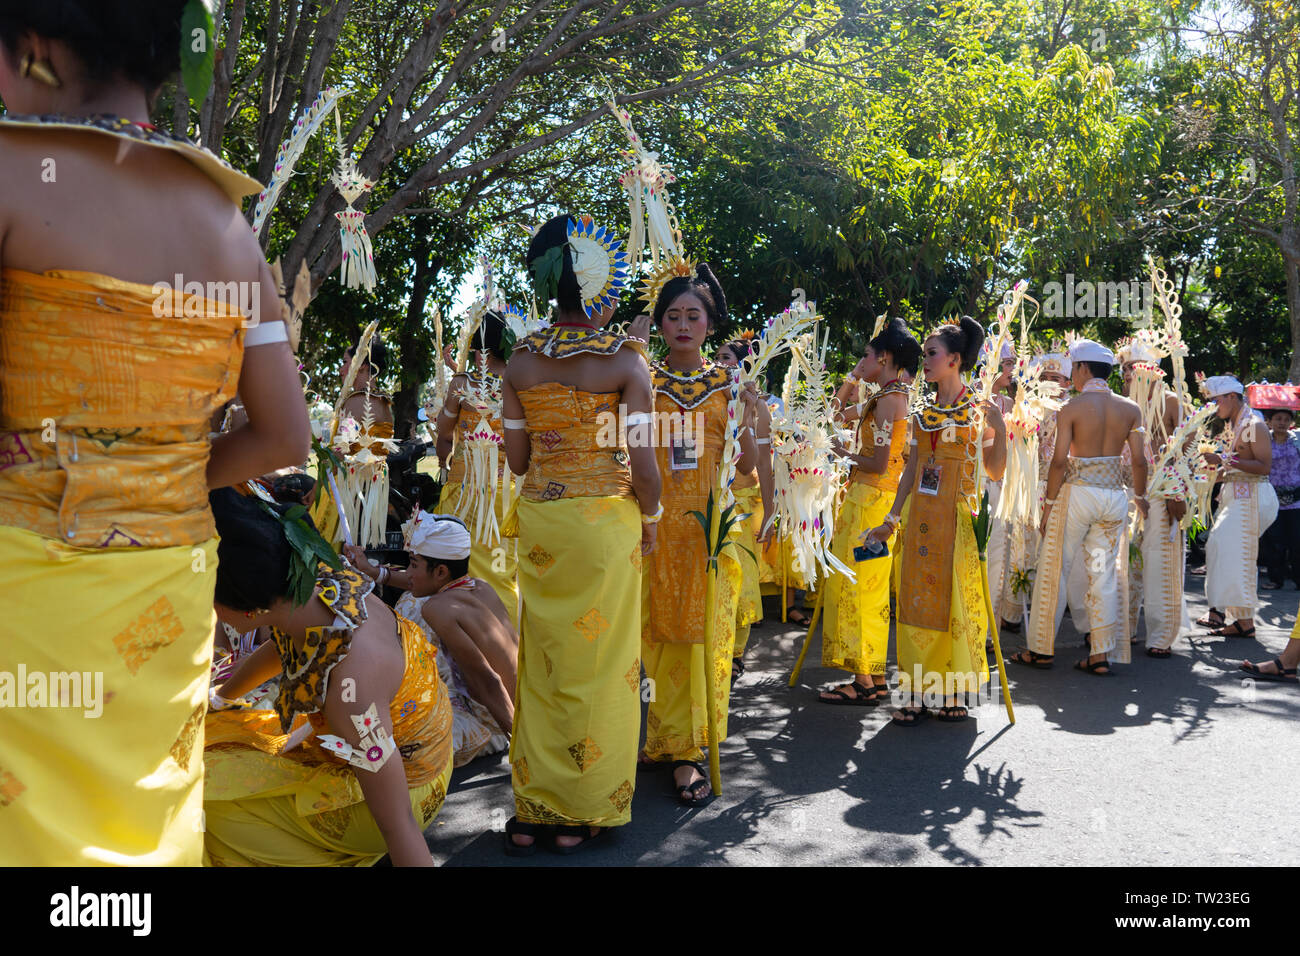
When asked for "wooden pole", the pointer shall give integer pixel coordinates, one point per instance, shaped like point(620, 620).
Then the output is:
point(807, 641)
point(710, 639)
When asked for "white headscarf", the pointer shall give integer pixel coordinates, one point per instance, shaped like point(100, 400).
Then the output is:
point(440, 537)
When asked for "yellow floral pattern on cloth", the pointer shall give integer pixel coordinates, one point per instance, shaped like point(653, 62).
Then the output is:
point(105, 412)
point(855, 632)
point(576, 451)
point(561, 341)
point(578, 702)
point(676, 567)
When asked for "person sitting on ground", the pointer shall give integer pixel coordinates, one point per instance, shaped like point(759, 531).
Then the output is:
point(463, 616)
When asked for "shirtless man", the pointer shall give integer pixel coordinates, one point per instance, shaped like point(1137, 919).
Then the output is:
point(465, 614)
point(1086, 510)
point(1247, 506)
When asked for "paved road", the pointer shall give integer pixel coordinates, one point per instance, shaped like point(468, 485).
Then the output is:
point(1170, 762)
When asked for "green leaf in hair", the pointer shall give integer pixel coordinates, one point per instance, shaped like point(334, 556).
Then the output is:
point(198, 50)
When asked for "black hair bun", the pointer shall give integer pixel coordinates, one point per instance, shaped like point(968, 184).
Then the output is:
point(973, 336)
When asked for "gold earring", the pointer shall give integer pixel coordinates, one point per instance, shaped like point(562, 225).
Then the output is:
point(39, 70)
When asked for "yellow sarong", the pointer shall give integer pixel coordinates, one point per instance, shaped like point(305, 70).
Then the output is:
point(676, 723)
point(749, 609)
point(118, 779)
point(108, 562)
point(577, 710)
point(855, 628)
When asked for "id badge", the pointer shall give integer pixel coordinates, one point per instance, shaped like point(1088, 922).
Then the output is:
point(684, 455)
point(930, 476)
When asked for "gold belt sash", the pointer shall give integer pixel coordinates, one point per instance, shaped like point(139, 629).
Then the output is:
point(1095, 472)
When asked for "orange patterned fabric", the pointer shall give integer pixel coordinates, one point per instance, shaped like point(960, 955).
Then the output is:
point(677, 565)
point(420, 710)
point(577, 450)
point(105, 409)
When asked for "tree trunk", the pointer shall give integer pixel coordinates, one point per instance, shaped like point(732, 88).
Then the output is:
point(412, 339)
point(1293, 311)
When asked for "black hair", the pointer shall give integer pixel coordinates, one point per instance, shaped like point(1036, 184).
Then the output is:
point(289, 489)
point(456, 567)
point(1099, 370)
point(1270, 412)
point(900, 343)
point(963, 340)
point(138, 40)
point(555, 232)
point(704, 285)
point(490, 334)
point(376, 355)
point(741, 348)
point(253, 555)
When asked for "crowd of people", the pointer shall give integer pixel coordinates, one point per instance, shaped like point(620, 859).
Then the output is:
point(551, 591)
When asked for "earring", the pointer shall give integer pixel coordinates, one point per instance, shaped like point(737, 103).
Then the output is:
point(39, 70)
point(257, 612)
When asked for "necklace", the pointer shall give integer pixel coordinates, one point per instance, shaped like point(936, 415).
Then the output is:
point(1094, 385)
point(461, 582)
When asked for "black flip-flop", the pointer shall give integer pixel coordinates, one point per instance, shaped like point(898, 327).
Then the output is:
point(686, 792)
point(1040, 661)
point(804, 619)
point(1285, 675)
point(534, 830)
point(588, 838)
point(1233, 630)
point(1093, 669)
point(916, 715)
point(950, 718)
point(1159, 653)
point(862, 696)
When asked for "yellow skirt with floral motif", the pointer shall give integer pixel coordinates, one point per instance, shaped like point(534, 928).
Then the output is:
point(953, 658)
point(578, 704)
point(106, 768)
point(855, 623)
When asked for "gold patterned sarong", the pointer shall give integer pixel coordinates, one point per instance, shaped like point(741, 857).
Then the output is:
point(108, 557)
point(304, 807)
point(578, 706)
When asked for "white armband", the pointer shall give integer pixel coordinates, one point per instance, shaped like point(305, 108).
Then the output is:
point(266, 333)
point(763, 441)
point(443, 411)
point(518, 424)
point(640, 418)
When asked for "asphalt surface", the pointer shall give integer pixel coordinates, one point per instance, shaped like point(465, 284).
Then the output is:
point(1179, 762)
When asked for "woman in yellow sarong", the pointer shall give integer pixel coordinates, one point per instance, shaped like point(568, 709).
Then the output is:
point(493, 561)
point(586, 515)
point(367, 769)
point(941, 616)
point(109, 379)
point(753, 493)
point(691, 398)
point(855, 629)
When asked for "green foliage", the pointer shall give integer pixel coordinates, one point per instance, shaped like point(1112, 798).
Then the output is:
point(198, 50)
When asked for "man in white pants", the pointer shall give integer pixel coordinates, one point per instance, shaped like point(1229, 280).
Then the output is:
point(1247, 506)
point(1086, 514)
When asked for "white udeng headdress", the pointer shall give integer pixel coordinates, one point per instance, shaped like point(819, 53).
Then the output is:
point(437, 536)
point(1217, 386)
